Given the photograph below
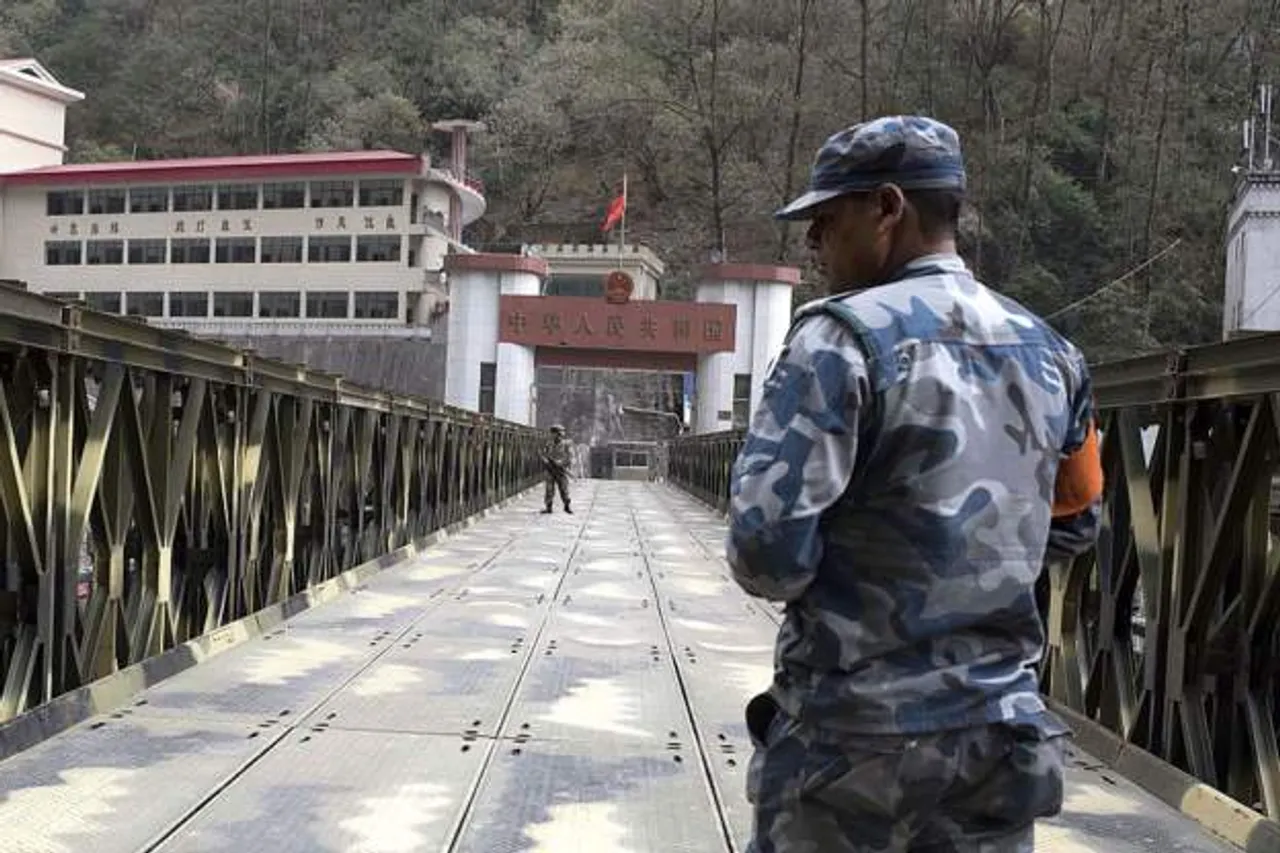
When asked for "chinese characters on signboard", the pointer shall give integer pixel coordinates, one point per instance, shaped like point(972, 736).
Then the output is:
point(73, 229)
point(585, 323)
point(339, 223)
point(199, 226)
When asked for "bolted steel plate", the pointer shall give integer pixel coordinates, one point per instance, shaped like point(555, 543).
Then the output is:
point(279, 674)
point(625, 690)
point(117, 783)
point(430, 685)
point(592, 796)
point(332, 791)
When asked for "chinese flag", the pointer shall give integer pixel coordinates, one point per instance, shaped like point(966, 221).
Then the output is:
point(614, 215)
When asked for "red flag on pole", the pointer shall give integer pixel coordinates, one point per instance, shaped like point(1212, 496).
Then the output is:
point(614, 215)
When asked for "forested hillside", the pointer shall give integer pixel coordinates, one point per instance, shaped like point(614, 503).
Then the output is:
point(1100, 133)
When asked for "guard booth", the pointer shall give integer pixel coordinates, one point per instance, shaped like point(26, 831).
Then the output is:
point(625, 460)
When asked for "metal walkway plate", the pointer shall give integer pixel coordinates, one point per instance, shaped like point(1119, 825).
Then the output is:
point(543, 684)
point(368, 612)
point(719, 685)
point(333, 791)
point(481, 618)
point(591, 798)
point(279, 675)
point(1104, 812)
point(118, 784)
point(606, 691)
point(602, 594)
point(430, 685)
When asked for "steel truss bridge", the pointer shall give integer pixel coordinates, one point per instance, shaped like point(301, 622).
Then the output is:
point(248, 605)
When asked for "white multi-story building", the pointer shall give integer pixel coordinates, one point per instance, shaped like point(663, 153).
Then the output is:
point(324, 244)
point(342, 261)
point(33, 107)
point(1249, 304)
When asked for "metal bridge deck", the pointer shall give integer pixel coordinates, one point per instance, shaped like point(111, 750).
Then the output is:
point(561, 684)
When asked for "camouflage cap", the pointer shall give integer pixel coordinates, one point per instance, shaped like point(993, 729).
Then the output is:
point(914, 152)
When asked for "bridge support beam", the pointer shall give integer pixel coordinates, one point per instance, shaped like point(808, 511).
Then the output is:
point(154, 487)
point(1166, 633)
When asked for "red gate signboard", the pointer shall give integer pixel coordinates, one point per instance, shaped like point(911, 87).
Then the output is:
point(581, 322)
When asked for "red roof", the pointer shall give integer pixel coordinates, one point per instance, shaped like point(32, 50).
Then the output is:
point(252, 167)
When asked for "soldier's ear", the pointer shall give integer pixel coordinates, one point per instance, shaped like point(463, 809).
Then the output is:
point(891, 204)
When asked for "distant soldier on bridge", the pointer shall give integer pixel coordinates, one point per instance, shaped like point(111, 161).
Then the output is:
point(921, 442)
point(556, 457)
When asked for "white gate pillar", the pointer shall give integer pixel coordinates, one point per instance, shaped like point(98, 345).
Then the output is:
point(482, 374)
point(729, 384)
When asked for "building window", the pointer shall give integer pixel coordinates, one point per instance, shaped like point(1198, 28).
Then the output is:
point(62, 253)
point(107, 303)
point(328, 250)
point(284, 196)
point(433, 218)
point(328, 305)
point(234, 304)
point(149, 200)
point(106, 201)
point(278, 304)
point(281, 250)
point(575, 285)
point(381, 193)
point(188, 199)
point(242, 197)
point(64, 203)
point(377, 306)
point(332, 194)
point(237, 250)
point(190, 305)
point(379, 248)
point(189, 252)
point(147, 251)
point(741, 400)
point(488, 382)
point(144, 304)
point(101, 252)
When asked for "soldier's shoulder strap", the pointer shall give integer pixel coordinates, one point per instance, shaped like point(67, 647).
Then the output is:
point(842, 314)
point(839, 309)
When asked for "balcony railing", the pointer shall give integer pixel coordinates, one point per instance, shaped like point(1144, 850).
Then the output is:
point(390, 327)
point(466, 177)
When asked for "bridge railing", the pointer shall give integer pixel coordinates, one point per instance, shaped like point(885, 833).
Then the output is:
point(155, 486)
point(1168, 634)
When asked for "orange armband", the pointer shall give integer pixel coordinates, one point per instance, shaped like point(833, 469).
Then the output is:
point(1079, 481)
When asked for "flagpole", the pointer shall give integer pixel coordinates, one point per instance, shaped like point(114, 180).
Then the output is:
point(622, 232)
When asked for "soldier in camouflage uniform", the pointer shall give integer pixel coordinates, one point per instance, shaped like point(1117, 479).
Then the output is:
point(556, 457)
point(922, 443)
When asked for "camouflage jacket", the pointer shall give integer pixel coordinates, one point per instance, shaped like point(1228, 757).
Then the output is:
point(894, 489)
point(557, 451)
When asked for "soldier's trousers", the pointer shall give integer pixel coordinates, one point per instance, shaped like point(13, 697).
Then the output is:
point(554, 480)
point(975, 790)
